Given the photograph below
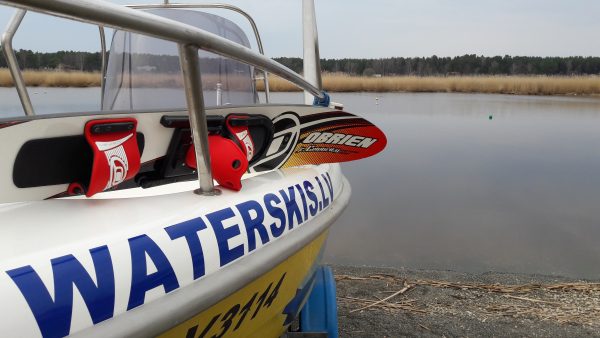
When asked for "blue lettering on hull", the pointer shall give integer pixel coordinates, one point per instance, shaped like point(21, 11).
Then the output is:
point(53, 314)
point(189, 230)
point(271, 201)
point(260, 220)
point(253, 224)
point(141, 282)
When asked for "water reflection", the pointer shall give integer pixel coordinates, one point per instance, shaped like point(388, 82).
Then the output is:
point(456, 190)
point(50, 100)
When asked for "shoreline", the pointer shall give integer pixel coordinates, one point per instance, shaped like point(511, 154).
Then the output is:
point(511, 85)
point(587, 86)
point(447, 303)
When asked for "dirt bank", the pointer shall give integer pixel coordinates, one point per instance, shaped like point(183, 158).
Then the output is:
point(453, 304)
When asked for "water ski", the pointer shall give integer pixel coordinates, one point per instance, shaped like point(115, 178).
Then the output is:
point(60, 155)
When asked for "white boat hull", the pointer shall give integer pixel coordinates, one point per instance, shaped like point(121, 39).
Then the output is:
point(167, 263)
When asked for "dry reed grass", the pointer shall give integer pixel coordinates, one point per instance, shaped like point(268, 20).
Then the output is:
point(521, 85)
point(37, 78)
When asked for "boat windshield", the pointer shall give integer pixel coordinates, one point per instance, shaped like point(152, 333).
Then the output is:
point(143, 73)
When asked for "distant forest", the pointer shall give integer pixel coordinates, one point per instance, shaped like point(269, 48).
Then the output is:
point(68, 60)
point(419, 66)
point(458, 65)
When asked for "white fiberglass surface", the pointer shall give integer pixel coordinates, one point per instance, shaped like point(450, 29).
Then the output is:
point(166, 189)
point(29, 228)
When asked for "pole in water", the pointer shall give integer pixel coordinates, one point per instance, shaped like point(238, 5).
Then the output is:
point(219, 94)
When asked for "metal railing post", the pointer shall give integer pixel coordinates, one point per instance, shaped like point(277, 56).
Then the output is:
point(219, 94)
point(267, 89)
point(11, 61)
point(312, 61)
point(103, 66)
point(190, 66)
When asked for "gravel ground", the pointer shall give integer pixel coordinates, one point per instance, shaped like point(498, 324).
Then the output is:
point(454, 304)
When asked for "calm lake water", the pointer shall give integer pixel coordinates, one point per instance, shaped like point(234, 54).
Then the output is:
point(468, 182)
point(476, 183)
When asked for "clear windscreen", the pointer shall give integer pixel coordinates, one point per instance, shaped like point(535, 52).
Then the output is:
point(144, 73)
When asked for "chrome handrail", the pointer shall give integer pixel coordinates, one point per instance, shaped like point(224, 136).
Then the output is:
point(100, 12)
point(218, 6)
point(190, 67)
point(11, 61)
point(104, 61)
point(312, 60)
point(189, 39)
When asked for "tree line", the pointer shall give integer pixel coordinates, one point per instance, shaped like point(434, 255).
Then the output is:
point(470, 64)
point(459, 65)
point(68, 60)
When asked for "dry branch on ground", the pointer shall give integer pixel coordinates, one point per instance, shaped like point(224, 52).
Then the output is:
point(576, 303)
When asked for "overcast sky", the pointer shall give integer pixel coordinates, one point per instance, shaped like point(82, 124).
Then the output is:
point(384, 28)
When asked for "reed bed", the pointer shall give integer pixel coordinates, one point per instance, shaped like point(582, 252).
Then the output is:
point(75, 79)
point(520, 85)
point(49, 78)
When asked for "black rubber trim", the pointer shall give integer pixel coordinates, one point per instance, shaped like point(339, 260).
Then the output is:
point(107, 128)
point(214, 122)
